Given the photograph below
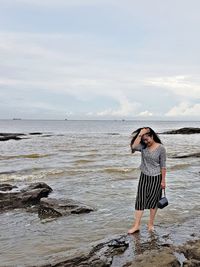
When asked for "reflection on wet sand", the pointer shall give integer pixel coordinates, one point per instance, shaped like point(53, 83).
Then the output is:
point(142, 243)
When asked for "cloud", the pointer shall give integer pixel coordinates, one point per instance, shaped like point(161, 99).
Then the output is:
point(184, 109)
point(126, 108)
point(186, 86)
point(91, 66)
point(146, 113)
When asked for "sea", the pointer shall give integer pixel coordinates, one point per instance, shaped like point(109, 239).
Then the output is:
point(91, 162)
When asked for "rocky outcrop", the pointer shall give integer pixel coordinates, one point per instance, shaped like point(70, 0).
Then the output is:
point(35, 133)
point(29, 196)
point(9, 136)
point(16, 136)
point(100, 256)
point(7, 187)
point(185, 130)
point(115, 253)
point(193, 155)
point(156, 258)
point(35, 196)
point(52, 208)
point(192, 252)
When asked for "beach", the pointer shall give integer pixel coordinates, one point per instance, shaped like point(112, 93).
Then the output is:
point(91, 162)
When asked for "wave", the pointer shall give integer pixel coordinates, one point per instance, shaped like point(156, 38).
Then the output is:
point(179, 167)
point(30, 174)
point(82, 161)
point(119, 170)
point(113, 133)
point(28, 156)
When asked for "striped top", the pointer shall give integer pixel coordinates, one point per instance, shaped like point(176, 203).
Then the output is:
point(151, 161)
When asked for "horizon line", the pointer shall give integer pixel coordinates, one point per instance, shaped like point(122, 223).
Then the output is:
point(21, 119)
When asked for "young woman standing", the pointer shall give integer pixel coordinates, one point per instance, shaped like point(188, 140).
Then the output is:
point(152, 177)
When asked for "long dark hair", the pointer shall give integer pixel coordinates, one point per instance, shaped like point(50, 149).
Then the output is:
point(151, 133)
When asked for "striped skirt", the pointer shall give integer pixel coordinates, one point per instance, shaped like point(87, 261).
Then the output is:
point(149, 192)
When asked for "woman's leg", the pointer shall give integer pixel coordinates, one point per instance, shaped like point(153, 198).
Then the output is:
point(155, 195)
point(151, 219)
point(136, 225)
point(139, 203)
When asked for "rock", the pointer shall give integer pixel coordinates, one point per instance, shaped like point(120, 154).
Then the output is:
point(15, 136)
point(156, 258)
point(51, 208)
point(116, 252)
point(191, 263)
point(6, 137)
point(186, 130)
point(36, 186)
point(100, 256)
point(7, 187)
point(35, 133)
point(192, 250)
point(195, 155)
point(24, 198)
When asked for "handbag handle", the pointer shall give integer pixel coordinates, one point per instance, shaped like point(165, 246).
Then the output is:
point(164, 192)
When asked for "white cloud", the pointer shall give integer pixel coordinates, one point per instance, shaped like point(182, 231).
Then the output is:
point(186, 86)
point(184, 109)
point(126, 108)
point(36, 61)
point(146, 113)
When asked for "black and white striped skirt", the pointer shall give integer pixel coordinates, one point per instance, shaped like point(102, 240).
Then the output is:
point(149, 192)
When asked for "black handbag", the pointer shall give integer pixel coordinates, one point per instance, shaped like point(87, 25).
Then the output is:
point(163, 202)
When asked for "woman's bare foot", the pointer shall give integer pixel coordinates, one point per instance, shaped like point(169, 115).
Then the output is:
point(150, 228)
point(133, 230)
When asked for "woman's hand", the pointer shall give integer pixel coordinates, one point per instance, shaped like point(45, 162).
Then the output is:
point(163, 184)
point(144, 131)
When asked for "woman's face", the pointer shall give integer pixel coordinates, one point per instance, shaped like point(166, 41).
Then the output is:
point(148, 140)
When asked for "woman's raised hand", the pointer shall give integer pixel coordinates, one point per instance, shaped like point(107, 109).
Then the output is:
point(144, 131)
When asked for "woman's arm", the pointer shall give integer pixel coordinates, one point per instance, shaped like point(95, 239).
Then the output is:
point(138, 138)
point(163, 167)
point(163, 181)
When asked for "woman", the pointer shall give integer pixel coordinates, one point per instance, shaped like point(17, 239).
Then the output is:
point(152, 178)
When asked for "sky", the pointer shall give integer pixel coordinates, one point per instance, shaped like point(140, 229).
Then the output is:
point(100, 59)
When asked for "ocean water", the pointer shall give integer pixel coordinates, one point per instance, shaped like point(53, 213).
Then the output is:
point(88, 161)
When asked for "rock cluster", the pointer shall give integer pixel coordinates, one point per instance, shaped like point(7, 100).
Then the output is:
point(18, 136)
point(9, 136)
point(52, 208)
point(24, 198)
point(110, 253)
point(185, 130)
point(35, 196)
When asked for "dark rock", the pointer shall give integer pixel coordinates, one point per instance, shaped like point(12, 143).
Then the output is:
point(117, 251)
point(191, 263)
point(100, 256)
point(51, 208)
point(9, 136)
point(7, 187)
point(36, 186)
point(35, 133)
point(24, 198)
point(192, 250)
point(156, 258)
point(186, 130)
point(195, 155)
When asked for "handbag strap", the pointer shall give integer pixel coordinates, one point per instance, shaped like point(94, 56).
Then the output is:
point(164, 192)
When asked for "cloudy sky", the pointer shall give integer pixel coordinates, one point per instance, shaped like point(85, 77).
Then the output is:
point(100, 59)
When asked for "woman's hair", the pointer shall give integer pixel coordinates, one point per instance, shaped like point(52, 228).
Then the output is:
point(150, 133)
